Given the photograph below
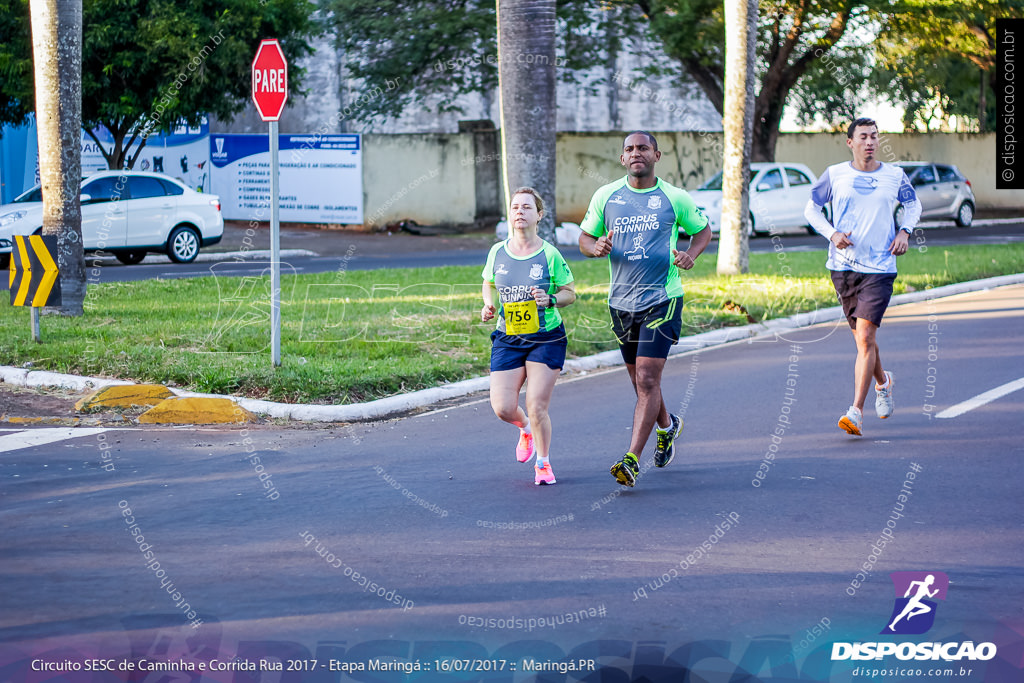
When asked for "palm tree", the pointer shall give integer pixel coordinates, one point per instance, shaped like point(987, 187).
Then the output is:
point(526, 80)
point(57, 54)
point(738, 125)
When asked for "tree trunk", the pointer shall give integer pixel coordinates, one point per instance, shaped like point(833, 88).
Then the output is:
point(117, 157)
point(57, 53)
point(526, 80)
point(982, 105)
point(737, 124)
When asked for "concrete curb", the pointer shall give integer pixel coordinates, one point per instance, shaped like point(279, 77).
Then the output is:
point(393, 405)
point(210, 256)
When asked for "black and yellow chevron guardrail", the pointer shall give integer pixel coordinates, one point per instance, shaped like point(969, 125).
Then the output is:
point(34, 277)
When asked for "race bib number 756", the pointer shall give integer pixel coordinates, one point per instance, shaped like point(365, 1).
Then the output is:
point(521, 317)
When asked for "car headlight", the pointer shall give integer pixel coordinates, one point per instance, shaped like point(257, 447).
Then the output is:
point(13, 217)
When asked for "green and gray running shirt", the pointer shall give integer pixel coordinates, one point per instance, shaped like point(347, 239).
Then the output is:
point(645, 225)
point(515, 277)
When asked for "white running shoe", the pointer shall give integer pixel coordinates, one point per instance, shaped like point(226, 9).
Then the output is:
point(852, 421)
point(883, 398)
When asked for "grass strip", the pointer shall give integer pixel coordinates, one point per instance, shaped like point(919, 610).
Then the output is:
point(351, 336)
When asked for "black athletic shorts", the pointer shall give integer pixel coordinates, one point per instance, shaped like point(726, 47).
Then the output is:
point(649, 333)
point(863, 295)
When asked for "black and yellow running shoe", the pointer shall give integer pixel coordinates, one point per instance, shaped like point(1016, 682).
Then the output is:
point(626, 470)
point(666, 449)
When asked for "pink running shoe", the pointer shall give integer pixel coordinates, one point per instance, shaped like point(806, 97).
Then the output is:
point(543, 475)
point(524, 449)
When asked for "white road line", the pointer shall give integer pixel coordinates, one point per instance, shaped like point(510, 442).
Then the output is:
point(982, 399)
point(30, 438)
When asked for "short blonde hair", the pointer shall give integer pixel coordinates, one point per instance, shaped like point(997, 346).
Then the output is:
point(530, 191)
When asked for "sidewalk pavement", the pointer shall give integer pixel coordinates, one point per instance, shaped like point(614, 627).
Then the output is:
point(233, 409)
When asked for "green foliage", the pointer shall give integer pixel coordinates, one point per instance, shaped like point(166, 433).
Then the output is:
point(146, 64)
point(934, 57)
point(835, 88)
point(149, 63)
point(16, 93)
point(443, 48)
point(440, 49)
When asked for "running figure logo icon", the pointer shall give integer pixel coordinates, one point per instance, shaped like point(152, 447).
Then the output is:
point(914, 612)
point(637, 252)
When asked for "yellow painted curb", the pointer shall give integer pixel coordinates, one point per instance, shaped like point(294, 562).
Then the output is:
point(124, 396)
point(197, 411)
point(72, 421)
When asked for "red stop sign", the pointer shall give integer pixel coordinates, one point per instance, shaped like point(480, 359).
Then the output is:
point(269, 80)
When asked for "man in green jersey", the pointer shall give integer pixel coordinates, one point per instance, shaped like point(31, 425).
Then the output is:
point(636, 222)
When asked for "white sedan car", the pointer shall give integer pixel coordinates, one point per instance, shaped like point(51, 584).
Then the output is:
point(778, 197)
point(127, 214)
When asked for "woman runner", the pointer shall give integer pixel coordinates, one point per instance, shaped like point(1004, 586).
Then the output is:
point(532, 282)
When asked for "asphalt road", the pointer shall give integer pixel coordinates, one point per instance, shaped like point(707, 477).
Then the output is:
point(331, 250)
point(422, 541)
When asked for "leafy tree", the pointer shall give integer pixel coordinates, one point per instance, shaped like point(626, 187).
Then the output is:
point(935, 59)
point(443, 46)
point(148, 64)
point(442, 49)
point(938, 57)
point(16, 91)
point(834, 89)
point(793, 35)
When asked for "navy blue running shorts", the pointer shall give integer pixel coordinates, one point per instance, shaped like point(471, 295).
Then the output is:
point(649, 333)
point(511, 351)
point(863, 295)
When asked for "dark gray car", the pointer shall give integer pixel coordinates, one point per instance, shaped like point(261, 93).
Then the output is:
point(943, 191)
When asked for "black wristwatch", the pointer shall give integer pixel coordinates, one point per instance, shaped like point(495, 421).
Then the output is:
point(552, 302)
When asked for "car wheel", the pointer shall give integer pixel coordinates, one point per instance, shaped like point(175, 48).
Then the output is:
point(965, 215)
point(5, 261)
point(898, 215)
point(751, 229)
point(183, 244)
point(130, 258)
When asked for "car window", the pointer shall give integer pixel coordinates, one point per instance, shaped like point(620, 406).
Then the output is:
point(715, 183)
point(35, 195)
point(947, 174)
point(923, 176)
point(104, 189)
point(796, 177)
point(171, 188)
point(773, 179)
point(144, 186)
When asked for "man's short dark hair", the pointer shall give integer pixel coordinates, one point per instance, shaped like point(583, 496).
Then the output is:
point(651, 138)
point(859, 122)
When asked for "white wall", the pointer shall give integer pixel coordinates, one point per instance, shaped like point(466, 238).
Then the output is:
point(395, 166)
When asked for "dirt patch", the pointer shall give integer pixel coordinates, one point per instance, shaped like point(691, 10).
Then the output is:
point(20, 405)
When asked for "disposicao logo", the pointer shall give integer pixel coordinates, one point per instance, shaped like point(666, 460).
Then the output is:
point(914, 610)
point(913, 613)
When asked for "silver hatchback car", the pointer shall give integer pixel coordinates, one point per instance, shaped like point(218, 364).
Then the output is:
point(943, 191)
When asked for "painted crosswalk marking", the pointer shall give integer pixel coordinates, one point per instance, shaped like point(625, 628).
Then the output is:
point(29, 438)
point(982, 399)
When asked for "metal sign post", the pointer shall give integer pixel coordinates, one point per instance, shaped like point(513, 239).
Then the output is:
point(275, 253)
point(269, 93)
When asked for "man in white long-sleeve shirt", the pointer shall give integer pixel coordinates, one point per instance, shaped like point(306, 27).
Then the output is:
point(864, 244)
